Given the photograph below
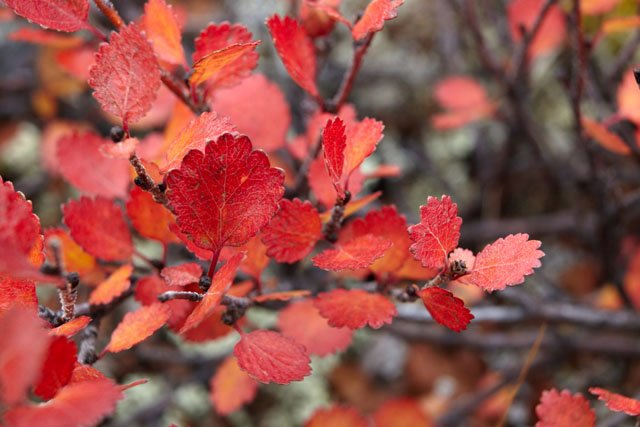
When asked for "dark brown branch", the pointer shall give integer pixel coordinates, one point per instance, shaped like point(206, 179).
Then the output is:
point(144, 181)
point(360, 49)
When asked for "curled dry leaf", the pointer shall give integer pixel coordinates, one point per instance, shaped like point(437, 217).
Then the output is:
point(268, 357)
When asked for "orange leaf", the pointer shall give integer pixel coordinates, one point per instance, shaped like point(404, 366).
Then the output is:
point(163, 30)
point(74, 257)
point(336, 416)
point(617, 402)
point(401, 412)
point(465, 101)
point(268, 357)
point(211, 64)
point(552, 32)
point(302, 322)
point(149, 218)
point(147, 290)
point(281, 296)
point(597, 7)
point(605, 137)
point(137, 326)
point(358, 253)
point(559, 409)
point(71, 328)
point(629, 98)
point(623, 24)
point(231, 387)
point(373, 18)
point(115, 285)
point(219, 286)
point(355, 308)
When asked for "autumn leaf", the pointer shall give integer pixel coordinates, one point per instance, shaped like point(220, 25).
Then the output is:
point(445, 308)
point(373, 18)
point(269, 357)
point(98, 226)
point(220, 284)
point(302, 322)
point(45, 38)
point(219, 36)
point(82, 164)
point(389, 224)
point(597, 7)
point(23, 348)
point(74, 257)
point(401, 412)
point(358, 253)
point(552, 31)
point(61, 15)
point(150, 287)
point(200, 130)
point(334, 142)
point(617, 402)
point(115, 285)
point(281, 296)
point(163, 30)
point(296, 51)
point(182, 275)
point(71, 328)
point(57, 367)
point(231, 387)
point(97, 399)
point(126, 75)
point(17, 292)
point(336, 416)
point(438, 232)
point(505, 262)
point(603, 136)
point(137, 326)
point(149, 218)
point(564, 409)
point(213, 63)
point(355, 308)
point(628, 97)
point(258, 108)
point(293, 232)
point(224, 196)
point(464, 100)
point(362, 140)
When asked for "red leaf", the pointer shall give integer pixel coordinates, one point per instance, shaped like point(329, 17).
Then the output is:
point(617, 402)
point(373, 18)
point(438, 232)
point(355, 254)
point(389, 224)
point(259, 109)
point(334, 142)
point(219, 36)
point(296, 50)
point(628, 98)
point(219, 286)
point(465, 100)
point(224, 196)
point(96, 398)
point(505, 262)
point(147, 291)
point(82, 164)
point(98, 226)
point(57, 368)
point(402, 412)
point(17, 292)
point(115, 285)
point(293, 232)
point(552, 32)
point(322, 186)
point(560, 409)
point(71, 328)
point(23, 348)
point(336, 416)
point(45, 38)
point(163, 30)
point(126, 75)
point(182, 275)
point(61, 15)
point(137, 326)
point(302, 322)
point(194, 136)
point(355, 308)
point(150, 219)
point(215, 62)
point(268, 357)
point(19, 226)
point(445, 308)
point(362, 139)
point(231, 387)
point(603, 136)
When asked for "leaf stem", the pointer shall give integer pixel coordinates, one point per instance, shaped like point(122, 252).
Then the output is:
point(214, 263)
